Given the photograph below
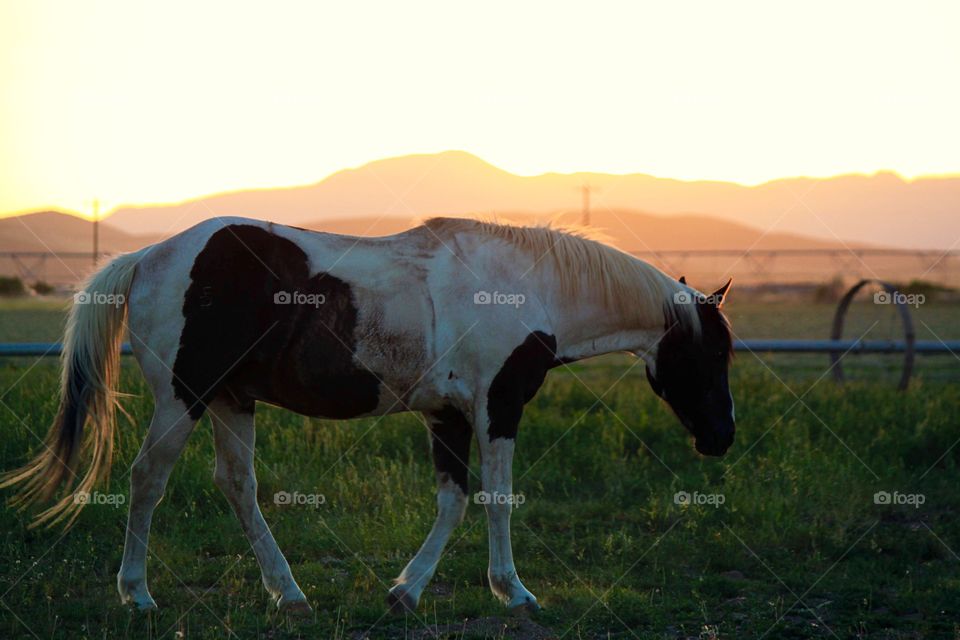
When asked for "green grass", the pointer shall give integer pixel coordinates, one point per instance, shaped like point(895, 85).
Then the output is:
point(32, 320)
point(599, 539)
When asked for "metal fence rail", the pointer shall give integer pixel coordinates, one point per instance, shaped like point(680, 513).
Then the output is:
point(844, 346)
point(38, 349)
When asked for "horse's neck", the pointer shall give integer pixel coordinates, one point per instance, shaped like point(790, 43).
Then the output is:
point(583, 327)
point(585, 331)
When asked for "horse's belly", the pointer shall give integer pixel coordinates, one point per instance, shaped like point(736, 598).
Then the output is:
point(335, 395)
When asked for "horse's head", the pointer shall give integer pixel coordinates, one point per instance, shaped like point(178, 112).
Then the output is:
point(690, 373)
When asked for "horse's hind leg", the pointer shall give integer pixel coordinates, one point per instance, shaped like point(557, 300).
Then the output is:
point(233, 433)
point(450, 433)
point(169, 429)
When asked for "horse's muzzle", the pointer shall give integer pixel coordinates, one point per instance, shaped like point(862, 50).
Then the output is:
point(712, 446)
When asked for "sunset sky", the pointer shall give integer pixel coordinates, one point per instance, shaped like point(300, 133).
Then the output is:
point(141, 102)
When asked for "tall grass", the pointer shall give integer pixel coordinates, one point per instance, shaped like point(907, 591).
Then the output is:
point(600, 537)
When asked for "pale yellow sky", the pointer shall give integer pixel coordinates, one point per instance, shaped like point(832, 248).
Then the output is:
point(160, 101)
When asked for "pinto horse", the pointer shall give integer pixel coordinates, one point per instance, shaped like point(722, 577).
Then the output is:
point(457, 319)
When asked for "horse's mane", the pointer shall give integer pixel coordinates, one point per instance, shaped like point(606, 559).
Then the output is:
point(587, 267)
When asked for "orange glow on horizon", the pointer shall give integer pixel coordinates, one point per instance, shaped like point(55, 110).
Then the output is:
point(87, 214)
point(141, 103)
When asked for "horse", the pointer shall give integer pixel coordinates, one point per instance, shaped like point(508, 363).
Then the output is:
point(457, 319)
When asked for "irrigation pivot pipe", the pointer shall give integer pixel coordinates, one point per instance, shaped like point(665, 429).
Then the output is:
point(909, 336)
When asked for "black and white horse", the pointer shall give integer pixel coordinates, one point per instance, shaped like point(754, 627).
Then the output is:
point(457, 319)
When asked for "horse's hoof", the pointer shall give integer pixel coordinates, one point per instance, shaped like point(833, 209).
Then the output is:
point(296, 608)
point(400, 602)
point(146, 606)
point(528, 608)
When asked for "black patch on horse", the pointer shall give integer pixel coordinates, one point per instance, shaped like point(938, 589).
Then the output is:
point(245, 340)
point(451, 432)
point(518, 381)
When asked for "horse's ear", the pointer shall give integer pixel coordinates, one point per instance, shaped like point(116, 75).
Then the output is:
point(720, 294)
point(683, 279)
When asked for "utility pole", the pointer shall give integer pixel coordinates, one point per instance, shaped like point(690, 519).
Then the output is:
point(585, 190)
point(96, 232)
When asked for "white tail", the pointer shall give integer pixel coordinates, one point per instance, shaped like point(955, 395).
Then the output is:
point(91, 367)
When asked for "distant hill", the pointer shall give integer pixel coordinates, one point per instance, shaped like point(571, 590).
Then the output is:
point(57, 233)
point(61, 232)
point(882, 208)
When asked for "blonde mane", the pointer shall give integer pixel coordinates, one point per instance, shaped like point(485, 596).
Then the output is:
point(625, 285)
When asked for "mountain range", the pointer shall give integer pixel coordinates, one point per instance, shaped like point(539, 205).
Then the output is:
point(57, 232)
point(879, 209)
point(389, 195)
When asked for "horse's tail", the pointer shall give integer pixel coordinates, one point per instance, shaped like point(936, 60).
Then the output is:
point(90, 369)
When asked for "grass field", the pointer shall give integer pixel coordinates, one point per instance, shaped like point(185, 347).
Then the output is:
point(798, 547)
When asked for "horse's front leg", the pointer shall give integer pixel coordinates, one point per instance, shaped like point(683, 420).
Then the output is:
point(496, 462)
